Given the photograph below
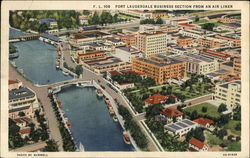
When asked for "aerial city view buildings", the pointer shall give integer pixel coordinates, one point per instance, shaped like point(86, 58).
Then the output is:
point(124, 80)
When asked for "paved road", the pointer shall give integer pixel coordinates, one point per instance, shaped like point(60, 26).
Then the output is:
point(66, 54)
point(42, 94)
point(30, 148)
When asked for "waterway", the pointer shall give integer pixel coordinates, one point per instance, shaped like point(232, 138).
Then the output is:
point(37, 61)
point(91, 122)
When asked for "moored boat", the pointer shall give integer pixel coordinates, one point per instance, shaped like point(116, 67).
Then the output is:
point(126, 137)
point(68, 124)
point(115, 118)
point(59, 104)
point(99, 92)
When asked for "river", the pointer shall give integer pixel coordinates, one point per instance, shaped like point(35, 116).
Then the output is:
point(37, 61)
point(91, 122)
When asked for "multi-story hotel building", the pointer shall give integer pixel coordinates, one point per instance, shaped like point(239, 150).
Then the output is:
point(228, 93)
point(198, 64)
point(160, 68)
point(22, 100)
point(152, 43)
point(237, 66)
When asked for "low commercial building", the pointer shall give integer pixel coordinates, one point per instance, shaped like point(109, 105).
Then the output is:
point(92, 55)
point(227, 20)
point(237, 66)
point(114, 42)
point(184, 41)
point(123, 86)
point(180, 128)
point(181, 21)
point(198, 64)
point(212, 42)
point(129, 39)
point(160, 68)
point(215, 55)
point(172, 115)
point(188, 26)
point(228, 93)
point(218, 75)
point(126, 54)
point(236, 42)
point(197, 146)
point(22, 100)
point(197, 33)
point(137, 13)
point(88, 37)
point(152, 43)
point(101, 65)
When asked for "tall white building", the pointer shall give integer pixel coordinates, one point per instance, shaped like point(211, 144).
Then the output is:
point(152, 43)
point(228, 93)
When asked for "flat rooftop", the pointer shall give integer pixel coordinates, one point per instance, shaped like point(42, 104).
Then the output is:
point(166, 61)
point(20, 93)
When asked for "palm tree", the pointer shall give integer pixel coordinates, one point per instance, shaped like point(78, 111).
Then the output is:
point(51, 146)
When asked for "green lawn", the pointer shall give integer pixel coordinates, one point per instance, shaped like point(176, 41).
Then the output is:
point(211, 110)
point(200, 21)
point(231, 125)
point(214, 140)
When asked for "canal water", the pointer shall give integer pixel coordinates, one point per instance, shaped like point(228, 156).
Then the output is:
point(37, 61)
point(90, 120)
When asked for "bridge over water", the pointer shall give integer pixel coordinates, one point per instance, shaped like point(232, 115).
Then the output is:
point(24, 38)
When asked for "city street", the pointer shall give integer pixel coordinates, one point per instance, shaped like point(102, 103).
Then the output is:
point(42, 95)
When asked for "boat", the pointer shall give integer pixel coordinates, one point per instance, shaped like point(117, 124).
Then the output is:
point(99, 92)
point(115, 118)
point(66, 73)
point(126, 137)
point(57, 64)
point(59, 104)
point(111, 111)
point(109, 104)
point(68, 124)
point(81, 148)
point(13, 55)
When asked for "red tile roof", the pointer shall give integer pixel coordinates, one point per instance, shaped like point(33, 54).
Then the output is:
point(97, 52)
point(196, 143)
point(218, 54)
point(18, 120)
point(125, 83)
point(113, 72)
point(203, 121)
point(181, 20)
point(25, 131)
point(79, 36)
point(188, 25)
point(171, 112)
point(27, 119)
point(12, 82)
point(156, 99)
